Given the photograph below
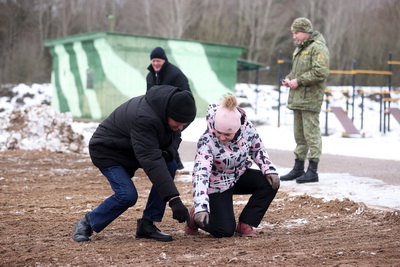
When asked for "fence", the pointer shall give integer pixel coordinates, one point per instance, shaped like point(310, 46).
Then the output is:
point(385, 96)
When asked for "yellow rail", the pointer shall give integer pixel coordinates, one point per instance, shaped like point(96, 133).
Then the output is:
point(379, 72)
point(341, 72)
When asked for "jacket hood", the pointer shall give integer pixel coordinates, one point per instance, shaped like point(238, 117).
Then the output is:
point(158, 97)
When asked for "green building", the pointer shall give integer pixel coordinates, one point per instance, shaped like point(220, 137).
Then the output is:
point(93, 73)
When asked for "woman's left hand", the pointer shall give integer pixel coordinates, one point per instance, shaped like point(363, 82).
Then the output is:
point(273, 180)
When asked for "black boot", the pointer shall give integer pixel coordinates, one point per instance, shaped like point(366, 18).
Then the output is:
point(83, 230)
point(147, 229)
point(311, 176)
point(297, 171)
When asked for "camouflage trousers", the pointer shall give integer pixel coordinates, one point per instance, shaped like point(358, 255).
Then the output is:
point(307, 135)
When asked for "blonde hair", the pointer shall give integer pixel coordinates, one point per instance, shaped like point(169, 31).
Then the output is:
point(229, 102)
point(227, 117)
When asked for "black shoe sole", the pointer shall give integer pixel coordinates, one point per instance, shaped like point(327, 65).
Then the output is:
point(81, 238)
point(162, 239)
point(304, 182)
point(289, 179)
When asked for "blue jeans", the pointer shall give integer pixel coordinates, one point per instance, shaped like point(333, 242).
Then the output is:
point(125, 196)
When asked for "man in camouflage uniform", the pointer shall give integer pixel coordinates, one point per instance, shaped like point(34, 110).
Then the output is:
point(307, 82)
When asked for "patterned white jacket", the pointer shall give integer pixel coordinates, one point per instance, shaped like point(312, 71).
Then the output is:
point(218, 166)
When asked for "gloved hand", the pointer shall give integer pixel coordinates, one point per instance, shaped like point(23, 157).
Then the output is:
point(202, 218)
point(273, 180)
point(179, 211)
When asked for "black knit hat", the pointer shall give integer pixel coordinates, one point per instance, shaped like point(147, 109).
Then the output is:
point(182, 107)
point(158, 52)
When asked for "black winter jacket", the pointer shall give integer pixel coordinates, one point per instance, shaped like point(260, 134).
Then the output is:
point(168, 75)
point(134, 136)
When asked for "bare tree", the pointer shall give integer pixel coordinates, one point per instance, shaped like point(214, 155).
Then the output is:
point(361, 30)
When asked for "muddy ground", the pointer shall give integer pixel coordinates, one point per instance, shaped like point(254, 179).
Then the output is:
point(44, 193)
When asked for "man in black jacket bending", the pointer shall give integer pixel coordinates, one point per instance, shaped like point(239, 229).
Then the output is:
point(144, 132)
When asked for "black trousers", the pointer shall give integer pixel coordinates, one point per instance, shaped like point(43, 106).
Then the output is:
point(222, 218)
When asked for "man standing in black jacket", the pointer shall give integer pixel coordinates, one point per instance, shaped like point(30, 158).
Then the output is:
point(144, 132)
point(162, 72)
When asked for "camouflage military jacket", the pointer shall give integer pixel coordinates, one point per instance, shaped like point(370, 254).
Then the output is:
point(310, 68)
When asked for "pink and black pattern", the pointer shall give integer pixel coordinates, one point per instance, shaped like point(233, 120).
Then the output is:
point(218, 166)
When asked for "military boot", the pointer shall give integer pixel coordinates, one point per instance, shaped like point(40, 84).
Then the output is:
point(297, 171)
point(311, 176)
point(147, 229)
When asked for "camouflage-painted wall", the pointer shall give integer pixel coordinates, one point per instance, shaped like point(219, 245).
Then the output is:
point(94, 73)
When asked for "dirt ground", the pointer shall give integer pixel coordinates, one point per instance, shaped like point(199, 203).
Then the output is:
point(44, 193)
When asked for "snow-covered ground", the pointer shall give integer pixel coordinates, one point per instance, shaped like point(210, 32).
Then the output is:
point(42, 123)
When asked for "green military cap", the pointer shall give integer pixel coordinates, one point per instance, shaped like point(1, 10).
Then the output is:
point(302, 25)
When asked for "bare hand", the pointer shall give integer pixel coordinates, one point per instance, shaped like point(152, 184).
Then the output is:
point(285, 82)
point(273, 180)
point(293, 84)
point(201, 218)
